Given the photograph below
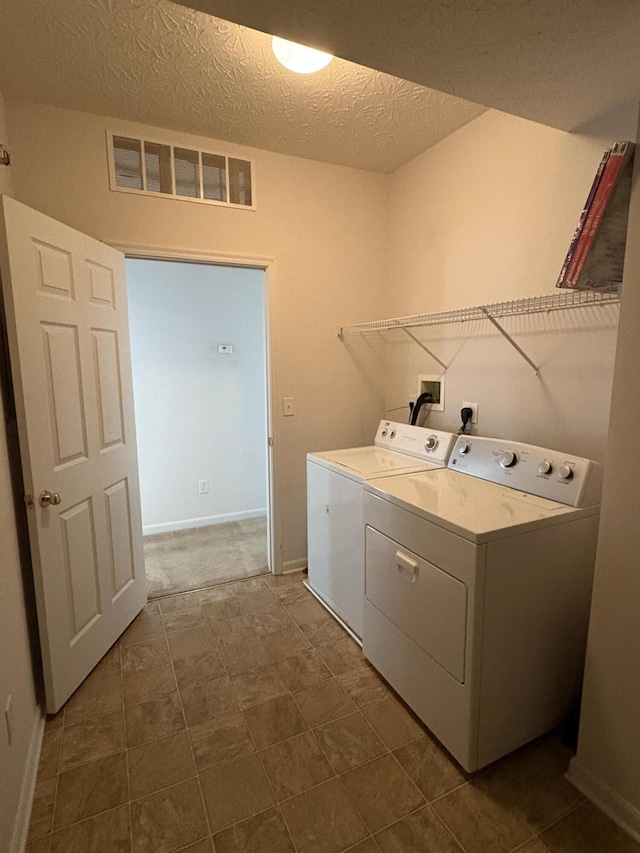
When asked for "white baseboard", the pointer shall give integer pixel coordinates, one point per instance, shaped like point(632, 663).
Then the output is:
point(23, 813)
point(609, 801)
point(294, 565)
point(185, 524)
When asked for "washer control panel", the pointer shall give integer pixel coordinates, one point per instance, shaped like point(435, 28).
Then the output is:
point(424, 443)
point(570, 480)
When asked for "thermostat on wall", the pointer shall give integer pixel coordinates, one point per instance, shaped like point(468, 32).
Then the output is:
point(225, 348)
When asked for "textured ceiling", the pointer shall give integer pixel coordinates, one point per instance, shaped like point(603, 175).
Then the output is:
point(565, 63)
point(167, 65)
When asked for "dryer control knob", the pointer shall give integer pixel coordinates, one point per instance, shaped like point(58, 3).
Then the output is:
point(545, 467)
point(431, 443)
point(565, 472)
point(508, 459)
point(464, 448)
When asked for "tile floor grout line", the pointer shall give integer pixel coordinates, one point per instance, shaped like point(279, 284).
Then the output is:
point(562, 817)
point(335, 719)
point(273, 806)
point(448, 829)
point(324, 725)
point(288, 828)
point(452, 791)
point(314, 729)
point(126, 757)
point(531, 836)
point(444, 821)
point(87, 818)
point(544, 844)
point(279, 803)
point(358, 843)
point(401, 818)
point(273, 790)
point(164, 787)
point(55, 806)
point(193, 757)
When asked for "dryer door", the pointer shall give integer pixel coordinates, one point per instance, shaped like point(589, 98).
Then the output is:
point(428, 605)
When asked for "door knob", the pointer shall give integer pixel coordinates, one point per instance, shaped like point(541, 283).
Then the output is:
point(49, 498)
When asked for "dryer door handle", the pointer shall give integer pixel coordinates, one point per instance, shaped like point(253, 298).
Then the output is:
point(406, 564)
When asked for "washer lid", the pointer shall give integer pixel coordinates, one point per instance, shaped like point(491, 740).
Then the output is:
point(367, 462)
point(475, 509)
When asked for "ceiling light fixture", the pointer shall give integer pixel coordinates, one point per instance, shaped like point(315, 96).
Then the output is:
point(298, 58)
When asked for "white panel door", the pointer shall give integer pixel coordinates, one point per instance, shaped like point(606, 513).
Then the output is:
point(67, 325)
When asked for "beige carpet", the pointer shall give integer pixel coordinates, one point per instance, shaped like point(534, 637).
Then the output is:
point(205, 556)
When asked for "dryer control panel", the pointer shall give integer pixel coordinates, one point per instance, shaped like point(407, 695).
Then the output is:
point(433, 445)
point(557, 476)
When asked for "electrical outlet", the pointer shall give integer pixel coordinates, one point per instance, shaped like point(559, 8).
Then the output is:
point(203, 487)
point(287, 407)
point(474, 409)
point(8, 720)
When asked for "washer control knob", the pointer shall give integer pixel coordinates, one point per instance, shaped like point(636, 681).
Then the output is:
point(384, 432)
point(545, 467)
point(565, 472)
point(508, 458)
point(463, 449)
point(431, 443)
point(392, 434)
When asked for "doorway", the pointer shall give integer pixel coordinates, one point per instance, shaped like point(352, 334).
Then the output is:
point(200, 371)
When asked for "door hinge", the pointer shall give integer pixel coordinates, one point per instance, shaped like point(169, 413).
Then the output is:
point(270, 441)
point(28, 499)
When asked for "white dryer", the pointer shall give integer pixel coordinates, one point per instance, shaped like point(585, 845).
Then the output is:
point(478, 587)
point(335, 524)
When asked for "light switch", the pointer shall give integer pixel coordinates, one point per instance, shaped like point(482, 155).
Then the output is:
point(287, 407)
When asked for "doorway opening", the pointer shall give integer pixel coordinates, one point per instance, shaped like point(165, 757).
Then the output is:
point(200, 379)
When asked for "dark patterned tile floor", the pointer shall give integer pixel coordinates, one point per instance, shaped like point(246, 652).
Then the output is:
point(234, 720)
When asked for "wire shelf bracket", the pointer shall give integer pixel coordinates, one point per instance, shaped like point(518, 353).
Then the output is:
point(513, 308)
point(424, 347)
point(517, 348)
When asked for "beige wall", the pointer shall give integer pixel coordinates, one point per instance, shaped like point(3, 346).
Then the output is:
point(487, 215)
point(16, 671)
point(607, 766)
point(323, 224)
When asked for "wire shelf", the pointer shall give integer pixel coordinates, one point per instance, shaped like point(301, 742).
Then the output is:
point(528, 305)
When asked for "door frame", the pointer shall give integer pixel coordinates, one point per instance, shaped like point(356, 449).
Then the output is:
point(268, 266)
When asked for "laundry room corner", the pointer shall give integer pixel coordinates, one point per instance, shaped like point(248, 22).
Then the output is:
point(470, 225)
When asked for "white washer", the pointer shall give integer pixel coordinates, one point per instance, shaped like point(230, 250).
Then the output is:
point(334, 508)
point(478, 586)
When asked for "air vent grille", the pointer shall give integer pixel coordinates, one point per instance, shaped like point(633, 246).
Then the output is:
point(152, 168)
